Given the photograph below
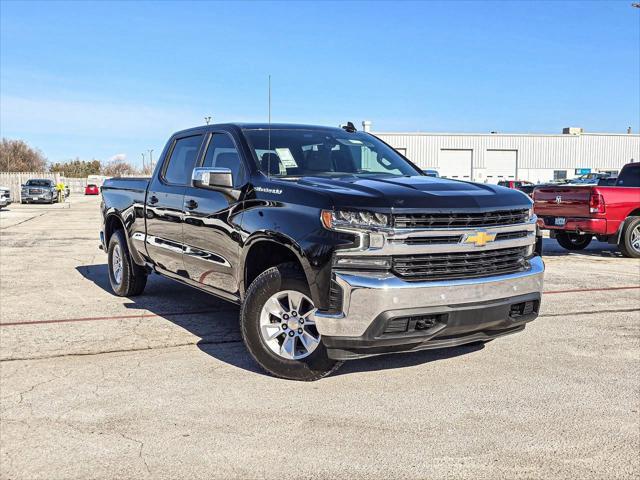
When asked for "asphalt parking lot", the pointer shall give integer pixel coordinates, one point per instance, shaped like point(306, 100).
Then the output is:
point(160, 386)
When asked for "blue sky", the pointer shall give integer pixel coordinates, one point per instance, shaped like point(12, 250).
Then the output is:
point(98, 79)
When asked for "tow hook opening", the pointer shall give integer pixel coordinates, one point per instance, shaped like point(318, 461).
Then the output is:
point(522, 309)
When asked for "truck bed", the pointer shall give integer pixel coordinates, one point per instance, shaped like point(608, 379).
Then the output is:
point(135, 184)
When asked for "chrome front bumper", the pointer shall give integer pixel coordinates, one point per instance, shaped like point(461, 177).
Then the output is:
point(367, 295)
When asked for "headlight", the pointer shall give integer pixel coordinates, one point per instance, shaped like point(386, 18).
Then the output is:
point(354, 219)
point(529, 213)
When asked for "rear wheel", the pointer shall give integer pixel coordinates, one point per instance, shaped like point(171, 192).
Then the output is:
point(573, 241)
point(126, 277)
point(630, 239)
point(278, 326)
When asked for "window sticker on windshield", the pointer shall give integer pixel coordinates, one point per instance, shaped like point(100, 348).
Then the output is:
point(286, 158)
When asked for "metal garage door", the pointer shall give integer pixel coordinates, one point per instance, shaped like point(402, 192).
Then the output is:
point(455, 164)
point(501, 165)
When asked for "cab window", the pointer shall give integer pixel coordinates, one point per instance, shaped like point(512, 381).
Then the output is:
point(183, 160)
point(629, 177)
point(222, 153)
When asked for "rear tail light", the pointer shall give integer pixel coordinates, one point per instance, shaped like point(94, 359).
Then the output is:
point(596, 203)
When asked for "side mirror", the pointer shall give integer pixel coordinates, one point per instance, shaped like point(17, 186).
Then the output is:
point(212, 178)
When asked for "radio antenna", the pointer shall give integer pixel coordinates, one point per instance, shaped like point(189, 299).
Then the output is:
point(269, 133)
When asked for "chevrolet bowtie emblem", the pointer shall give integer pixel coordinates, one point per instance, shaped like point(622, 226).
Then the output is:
point(480, 238)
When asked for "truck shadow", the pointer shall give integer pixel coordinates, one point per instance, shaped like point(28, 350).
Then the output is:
point(551, 248)
point(215, 323)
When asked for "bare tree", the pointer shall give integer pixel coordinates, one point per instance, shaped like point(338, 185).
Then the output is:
point(77, 168)
point(17, 156)
point(118, 167)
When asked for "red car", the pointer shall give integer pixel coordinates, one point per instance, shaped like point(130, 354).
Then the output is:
point(91, 189)
point(522, 185)
point(575, 214)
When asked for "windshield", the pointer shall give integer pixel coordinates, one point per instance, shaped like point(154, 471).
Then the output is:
point(39, 183)
point(296, 153)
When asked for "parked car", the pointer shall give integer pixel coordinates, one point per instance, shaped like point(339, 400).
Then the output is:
point(91, 189)
point(588, 179)
point(607, 182)
point(39, 190)
point(575, 214)
point(522, 185)
point(431, 173)
point(5, 197)
point(335, 246)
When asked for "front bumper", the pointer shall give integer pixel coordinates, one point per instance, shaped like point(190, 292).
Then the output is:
point(464, 311)
point(38, 197)
point(5, 202)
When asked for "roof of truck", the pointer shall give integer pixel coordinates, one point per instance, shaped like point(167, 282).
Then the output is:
point(262, 125)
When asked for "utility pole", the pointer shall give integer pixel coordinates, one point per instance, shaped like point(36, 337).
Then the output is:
point(151, 158)
point(207, 119)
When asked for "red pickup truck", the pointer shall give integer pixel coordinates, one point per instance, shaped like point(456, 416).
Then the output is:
point(575, 214)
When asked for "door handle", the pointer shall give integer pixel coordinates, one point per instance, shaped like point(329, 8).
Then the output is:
point(191, 204)
point(153, 200)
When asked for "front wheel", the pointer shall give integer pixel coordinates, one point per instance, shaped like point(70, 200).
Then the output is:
point(630, 239)
point(573, 241)
point(278, 326)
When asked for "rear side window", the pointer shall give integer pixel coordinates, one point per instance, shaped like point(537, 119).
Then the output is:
point(183, 160)
point(630, 176)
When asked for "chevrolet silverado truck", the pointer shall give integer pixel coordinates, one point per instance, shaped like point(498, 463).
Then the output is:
point(335, 245)
point(575, 214)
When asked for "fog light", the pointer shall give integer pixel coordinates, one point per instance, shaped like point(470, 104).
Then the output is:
point(375, 263)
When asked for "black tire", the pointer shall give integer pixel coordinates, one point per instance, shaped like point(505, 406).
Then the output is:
point(573, 241)
point(133, 278)
point(286, 276)
point(629, 235)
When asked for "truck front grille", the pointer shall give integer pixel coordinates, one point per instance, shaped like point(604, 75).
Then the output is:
point(460, 220)
point(455, 266)
point(35, 191)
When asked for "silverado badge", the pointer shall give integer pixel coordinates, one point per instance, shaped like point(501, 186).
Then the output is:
point(480, 238)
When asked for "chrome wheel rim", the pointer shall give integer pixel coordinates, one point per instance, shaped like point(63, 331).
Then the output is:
point(635, 238)
point(288, 326)
point(116, 264)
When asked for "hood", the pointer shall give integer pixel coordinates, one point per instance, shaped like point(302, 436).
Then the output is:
point(419, 192)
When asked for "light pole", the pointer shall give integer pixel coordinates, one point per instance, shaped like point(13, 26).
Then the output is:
point(142, 162)
point(151, 158)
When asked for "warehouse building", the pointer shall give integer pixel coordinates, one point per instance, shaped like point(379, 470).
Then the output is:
point(538, 158)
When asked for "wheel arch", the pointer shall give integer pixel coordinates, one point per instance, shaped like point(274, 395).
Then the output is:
point(265, 250)
point(631, 216)
point(113, 221)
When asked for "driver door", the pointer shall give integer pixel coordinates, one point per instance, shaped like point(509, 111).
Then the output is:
point(212, 220)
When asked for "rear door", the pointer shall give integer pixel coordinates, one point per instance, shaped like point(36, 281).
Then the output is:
point(212, 220)
point(165, 200)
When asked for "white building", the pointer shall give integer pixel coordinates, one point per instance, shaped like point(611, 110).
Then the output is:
point(491, 157)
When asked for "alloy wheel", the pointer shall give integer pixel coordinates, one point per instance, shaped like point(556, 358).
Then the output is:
point(116, 264)
point(635, 238)
point(287, 325)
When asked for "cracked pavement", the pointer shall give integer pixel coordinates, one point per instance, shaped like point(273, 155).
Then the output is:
point(96, 386)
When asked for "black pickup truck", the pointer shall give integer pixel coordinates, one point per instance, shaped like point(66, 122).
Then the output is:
point(335, 245)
